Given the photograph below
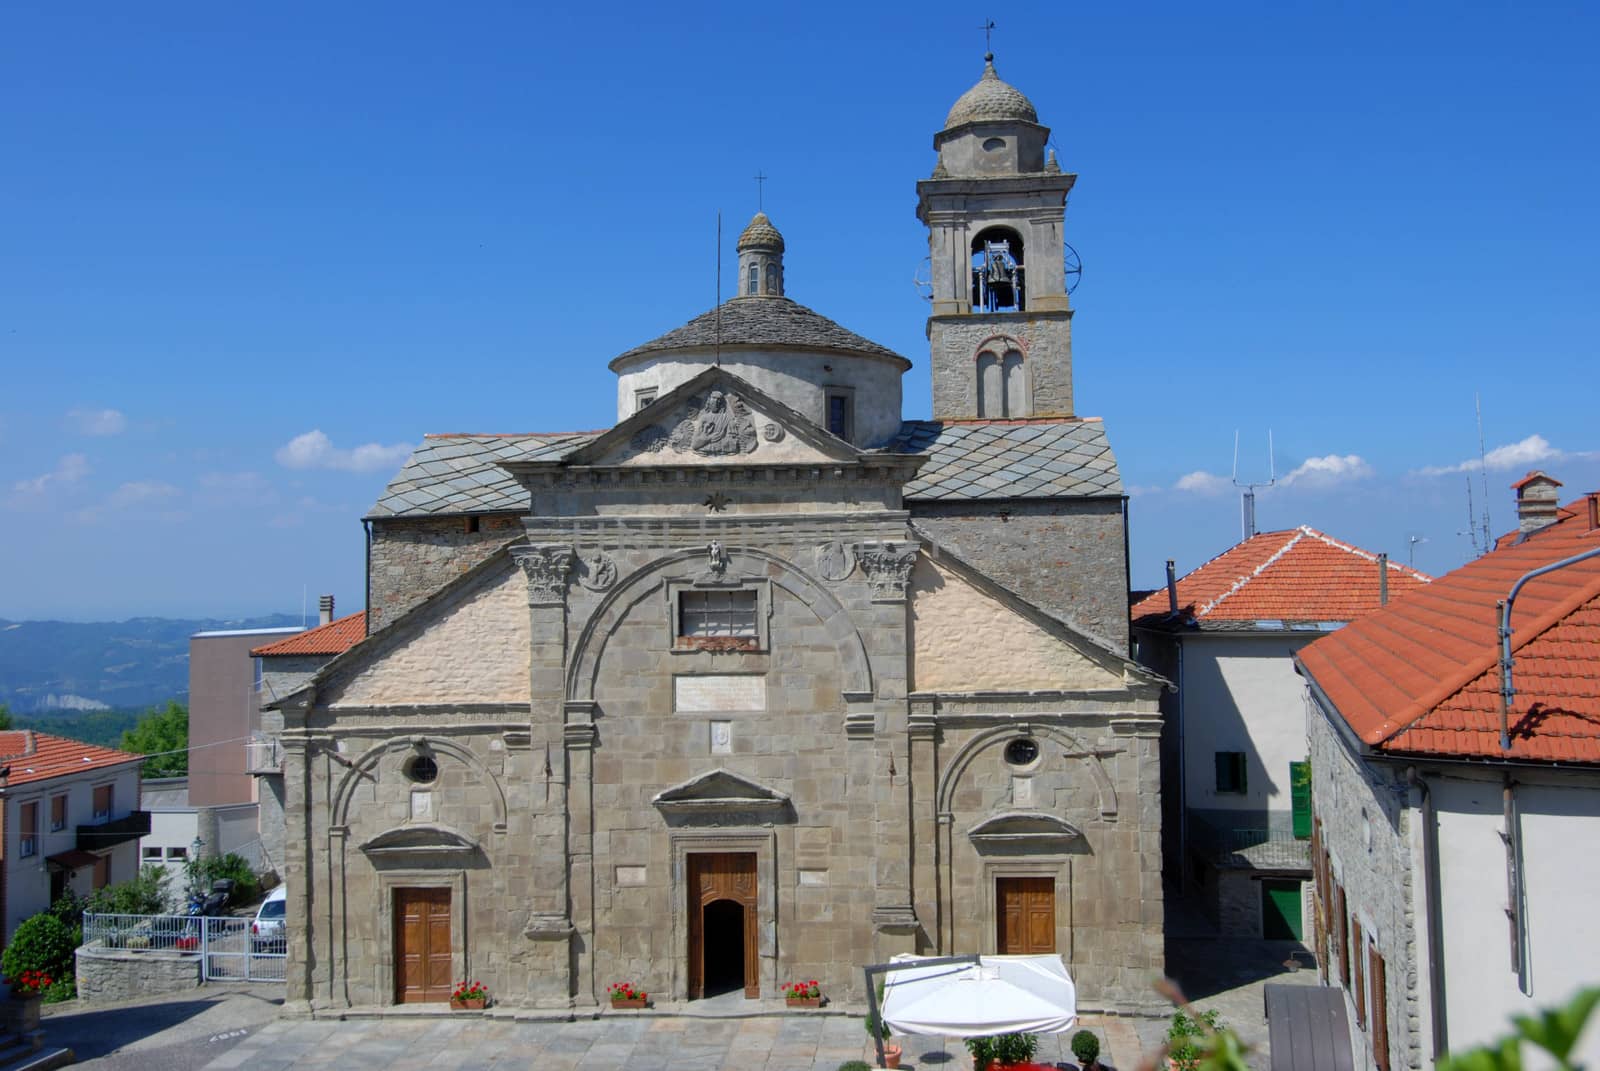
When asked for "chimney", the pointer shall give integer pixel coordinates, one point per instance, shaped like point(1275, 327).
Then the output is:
point(1383, 580)
point(1537, 500)
point(1592, 503)
point(324, 609)
point(1172, 587)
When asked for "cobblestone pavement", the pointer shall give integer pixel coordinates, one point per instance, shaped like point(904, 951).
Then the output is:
point(792, 1042)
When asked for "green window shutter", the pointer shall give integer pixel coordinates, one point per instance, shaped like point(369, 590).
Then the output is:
point(1300, 797)
point(1224, 772)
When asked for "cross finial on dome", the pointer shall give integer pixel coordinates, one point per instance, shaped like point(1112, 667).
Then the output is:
point(988, 45)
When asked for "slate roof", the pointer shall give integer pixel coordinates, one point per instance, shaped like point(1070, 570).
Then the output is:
point(762, 321)
point(1422, 675)
point(336, 637)
point(451, 474)
point(35, 756)
point(458, 474)
point(997, 459)
point(1296, 575)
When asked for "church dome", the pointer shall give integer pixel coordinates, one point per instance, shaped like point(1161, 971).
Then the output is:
point(991, 99)
point(761, 234)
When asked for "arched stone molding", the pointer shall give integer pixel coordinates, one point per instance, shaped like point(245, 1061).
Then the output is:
point(998, 343)
point(856, 670)
point(997, 736)
point(363, 767)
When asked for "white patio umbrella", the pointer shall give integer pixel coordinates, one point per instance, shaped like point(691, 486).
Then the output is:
point(996, 995)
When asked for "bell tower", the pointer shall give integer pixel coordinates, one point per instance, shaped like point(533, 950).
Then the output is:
point(1001, 327)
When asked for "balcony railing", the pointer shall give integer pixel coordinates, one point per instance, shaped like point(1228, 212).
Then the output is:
point(102, 835)
point(1250, 848)
point(263, 755)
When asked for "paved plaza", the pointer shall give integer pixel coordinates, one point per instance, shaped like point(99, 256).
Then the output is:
point(793, 1042)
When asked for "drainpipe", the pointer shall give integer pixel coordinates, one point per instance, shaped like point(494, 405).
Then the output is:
point(1515, 902)
point(1430, 885)
point(1183, 778)
point(367, 527)
point(1383, 580)
point(1508, 689)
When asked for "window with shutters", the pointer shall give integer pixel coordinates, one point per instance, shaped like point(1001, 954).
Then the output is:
point(1380, 1010)
point(1344, 937)
point(1359, 989)
point(28, 824)
point(1300, 798)
point(58, 813)
point(102, 802)
point(1231, 773)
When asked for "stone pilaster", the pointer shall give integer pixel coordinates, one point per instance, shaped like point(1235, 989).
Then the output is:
point(299, 872)
point(922, 744)
point(579, 734)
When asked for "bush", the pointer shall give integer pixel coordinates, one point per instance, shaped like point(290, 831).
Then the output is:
point(65, 989)
point(41, 943)
point(1002, 1049)
point(1086, 1047)
point(200, 873)
point(1186, 1037)
point(70, 908)
point(855, 1065)
point(145, 894)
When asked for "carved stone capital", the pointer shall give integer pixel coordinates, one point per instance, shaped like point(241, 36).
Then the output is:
point(888, 568)
point(547, 567)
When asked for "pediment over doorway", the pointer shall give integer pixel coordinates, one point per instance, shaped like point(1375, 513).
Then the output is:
point(417, 841)
point(721, 794)
point(1032, 830)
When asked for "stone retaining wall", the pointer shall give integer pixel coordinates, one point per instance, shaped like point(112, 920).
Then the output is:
point(106, 975)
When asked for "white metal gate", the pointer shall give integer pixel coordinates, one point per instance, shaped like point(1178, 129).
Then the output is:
point(228, 947)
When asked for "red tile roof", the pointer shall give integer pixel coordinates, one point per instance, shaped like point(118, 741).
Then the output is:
point(336, 637)
point(1299, 574)
point(1422, 676)
point(35, 756)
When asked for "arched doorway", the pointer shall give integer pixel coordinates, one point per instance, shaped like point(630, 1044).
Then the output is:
point(722, 924)
point(723, 936)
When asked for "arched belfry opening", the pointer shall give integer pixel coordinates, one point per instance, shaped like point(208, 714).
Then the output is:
point(724, 947)
point(999, 282)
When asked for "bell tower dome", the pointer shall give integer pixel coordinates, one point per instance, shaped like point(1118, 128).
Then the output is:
point(1001, 326)
point(760, 259)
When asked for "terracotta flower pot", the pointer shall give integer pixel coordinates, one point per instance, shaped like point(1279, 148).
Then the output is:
point(468, 1003)
point(891, 1055)
point(803, 1002)
point(627, 1002)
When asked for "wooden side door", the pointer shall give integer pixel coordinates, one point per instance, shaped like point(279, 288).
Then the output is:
point(422, 963)
point(1025, 916)
point(721, 876)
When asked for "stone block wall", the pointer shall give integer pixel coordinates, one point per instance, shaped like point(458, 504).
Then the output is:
point(1068, 557)
point(1044, 339)
point(412, 557)
point(109, 975)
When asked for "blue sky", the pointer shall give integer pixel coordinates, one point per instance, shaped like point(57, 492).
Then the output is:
point(252, 252)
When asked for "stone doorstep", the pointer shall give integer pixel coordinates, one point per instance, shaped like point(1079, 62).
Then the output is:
point(43, 1060)
point(759, 1009)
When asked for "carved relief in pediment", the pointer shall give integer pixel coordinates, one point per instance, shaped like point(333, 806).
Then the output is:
point(717, 425)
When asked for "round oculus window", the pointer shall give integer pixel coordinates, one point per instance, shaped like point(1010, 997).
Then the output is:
point(1022, 751)
point(422, 769)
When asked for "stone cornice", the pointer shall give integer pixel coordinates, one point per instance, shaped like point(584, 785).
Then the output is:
point(554, 475)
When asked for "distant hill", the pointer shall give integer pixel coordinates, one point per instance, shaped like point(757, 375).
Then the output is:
point(67, 667)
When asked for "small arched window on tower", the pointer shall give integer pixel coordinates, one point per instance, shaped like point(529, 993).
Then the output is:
point(1002, 385)
point(998, 278)
point(772, 278)
point(755, 280)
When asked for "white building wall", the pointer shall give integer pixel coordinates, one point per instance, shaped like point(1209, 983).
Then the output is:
point(1560, 825)
point(1241, 693)
point(171, 834)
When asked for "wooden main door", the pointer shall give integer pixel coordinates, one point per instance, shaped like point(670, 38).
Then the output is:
point(422, 967)
point(1025, 916)
point(722, 923)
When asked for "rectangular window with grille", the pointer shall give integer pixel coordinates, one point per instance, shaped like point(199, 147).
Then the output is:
point(839, 409)
point(717, 615)
point(29, 829)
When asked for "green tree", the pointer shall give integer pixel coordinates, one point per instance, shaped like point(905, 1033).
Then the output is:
point(5, 716)
point(163, 734)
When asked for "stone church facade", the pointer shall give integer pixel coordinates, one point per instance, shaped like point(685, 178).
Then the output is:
point(764, 683)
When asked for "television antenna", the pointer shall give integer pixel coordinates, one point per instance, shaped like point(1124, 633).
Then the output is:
point(1411, 549)
point(1247, 501)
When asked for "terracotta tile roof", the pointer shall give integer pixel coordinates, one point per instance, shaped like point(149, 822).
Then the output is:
point(1422, 675)
point(35, 756)
point(336, 637)
point(1299, 574)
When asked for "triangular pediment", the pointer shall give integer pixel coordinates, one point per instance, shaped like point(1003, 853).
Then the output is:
point(715, 418)
point(720, 787)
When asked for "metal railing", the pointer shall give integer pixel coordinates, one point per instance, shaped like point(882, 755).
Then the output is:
point(262, 754)
point(228, 947)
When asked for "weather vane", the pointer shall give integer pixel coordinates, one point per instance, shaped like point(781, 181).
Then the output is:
point(988, 28)
point(760, 178)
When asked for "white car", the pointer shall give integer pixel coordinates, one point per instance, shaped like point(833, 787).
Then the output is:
point(267, 931)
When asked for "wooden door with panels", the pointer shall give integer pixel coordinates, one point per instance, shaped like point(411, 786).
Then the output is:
point(722, 923)
point(1025, 916)
point(422, 952)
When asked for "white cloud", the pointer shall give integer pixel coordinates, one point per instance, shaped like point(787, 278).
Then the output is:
point(70, 469)
point(1327, 471)
point(1203, 483)
point(1530, 451)
point(140, 492)
point(314, 450)
point(96, 421)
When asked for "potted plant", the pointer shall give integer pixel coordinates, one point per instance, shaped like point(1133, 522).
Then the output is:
point(22, 1015)
point(803, 994)
point(469, 995)
point(1086, 1048)
point(624, 995)
point(877, 1028)
point(1186, 1037)
point(1002, 1050)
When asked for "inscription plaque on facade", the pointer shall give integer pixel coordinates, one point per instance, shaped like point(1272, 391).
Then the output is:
point(719, 694)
